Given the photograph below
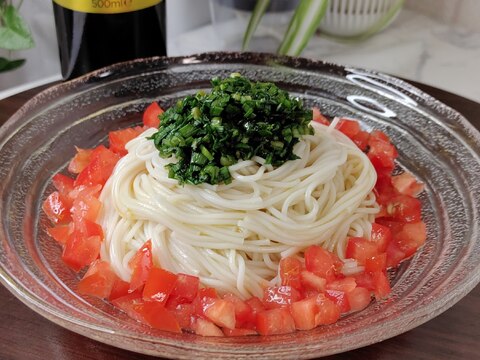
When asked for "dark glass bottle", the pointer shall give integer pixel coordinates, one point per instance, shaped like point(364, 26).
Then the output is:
point(95, 33)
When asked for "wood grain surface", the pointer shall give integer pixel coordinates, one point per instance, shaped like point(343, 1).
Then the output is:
point(455, 334)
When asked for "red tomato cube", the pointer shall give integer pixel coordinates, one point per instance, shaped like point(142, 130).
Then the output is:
point(57, 209)
point(279, 296)
point(275, 321)
point(119, 138)
point(328, 311)
point(290, 269)
point(222, 313)
point(158, 285)
point(80, 160)
point(98, 280)
point(320, 262)
point(100, 167)
point(141, 263)
point(348, 127)
point(359, 298)
point(205, 327)
point(151, 115)
point(80, 251)
point(303, 313)
point(360, 249)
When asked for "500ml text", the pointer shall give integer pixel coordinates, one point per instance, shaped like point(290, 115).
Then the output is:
point(102, 4)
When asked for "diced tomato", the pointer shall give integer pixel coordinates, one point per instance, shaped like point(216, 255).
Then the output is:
point(100, 167)
point(361, 140)
point(98, 280)
point(365, 280)
point(85, 208)
point(239, 332)
point(159, 285)
point(279, 296)
point(56, 207)
point(151, 116)
point(205, 327)
point(184, 314)
point(328, 311)
point(382, 285)
point(376, 263)
point(63, 183)
point(130, 304)
point(339, 298)
point(60, 233)
point(318, 117)
point(141, 263)
point(120, 288)
point(394, 254)
point(185, 289)
point(83, 191)
point(380, 135)
point(89, 228)
point(256, 304)
point(290, 269)
point(411, 237)
point(320, 262)
point(311, 281)
point(275, 321)
point(360, 249)
point(154, 314)
point(303, 313)
point(243, 312)
point(80, 160)
point(359, 298)
point(347, 284)
point(404, 208)
point(205, 297)
point(381, 236)
point(119, 138)
point(348, 127)
point(406, 184)
point(80, 251)
point(381, 153)
point(222, 313)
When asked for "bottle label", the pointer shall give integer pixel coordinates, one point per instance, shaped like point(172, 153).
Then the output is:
point(106, 6)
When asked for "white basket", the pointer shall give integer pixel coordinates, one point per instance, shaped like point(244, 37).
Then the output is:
point(347, 18)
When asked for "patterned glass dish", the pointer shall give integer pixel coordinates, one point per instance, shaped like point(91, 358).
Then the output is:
point(435, 143)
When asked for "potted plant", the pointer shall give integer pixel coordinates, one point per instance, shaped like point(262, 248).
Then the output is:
point(347, 19)
point(14, 34)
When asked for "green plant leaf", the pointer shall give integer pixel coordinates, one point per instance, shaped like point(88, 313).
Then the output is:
point(302, 26)
point(6, 64)
point(14, 35)
point(257, 14)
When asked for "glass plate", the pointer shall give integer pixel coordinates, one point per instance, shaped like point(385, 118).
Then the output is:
point(435, 143)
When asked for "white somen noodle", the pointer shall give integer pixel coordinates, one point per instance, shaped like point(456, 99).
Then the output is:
point(233, 236)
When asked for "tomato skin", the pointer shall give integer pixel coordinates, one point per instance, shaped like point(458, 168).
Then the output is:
point(80, 160)
point(155, 315)
point(56, 207)
point(279, 296)
point(347, 284)
point(360, 249)
point(348, 127)
point(185, 289)
point(63, 183)
point(328, 311)
point(221, 313)
point(238, 332)
point(406, 184)
point(340, 299)
point(404, 208)
point(119, 138)
point(141, 263)
point(381, 236)
point(303, 313)
point(361, 140)
point(158, 285)
point(376, 263)
point(244, 316)
point(80, 251)
point(100, 167)
point(318, 117)
point(310, 281)
point(120, 288)
point(205, 327)
point(60, 233)
point(359, 298)
point(320, 262)
point(290, 269)
point(275, 321)
point(98, 280)
point(151, 115)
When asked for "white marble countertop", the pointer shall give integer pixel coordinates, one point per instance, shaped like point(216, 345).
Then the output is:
point(414, 47)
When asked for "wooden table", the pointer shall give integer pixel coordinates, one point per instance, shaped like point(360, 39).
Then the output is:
point(454, 334)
